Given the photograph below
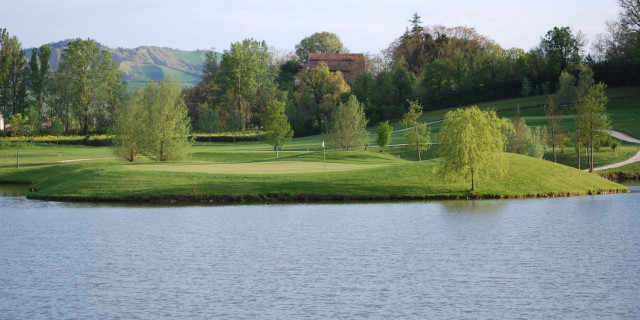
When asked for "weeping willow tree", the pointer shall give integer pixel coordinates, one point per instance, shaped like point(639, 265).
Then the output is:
point(471, 145)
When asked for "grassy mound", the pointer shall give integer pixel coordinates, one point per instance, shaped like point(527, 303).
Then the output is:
point(362, 176)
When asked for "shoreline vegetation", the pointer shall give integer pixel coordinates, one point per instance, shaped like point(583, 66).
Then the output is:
point(353, 176)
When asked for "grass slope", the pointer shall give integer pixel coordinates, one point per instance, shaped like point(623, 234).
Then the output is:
point(385, 178)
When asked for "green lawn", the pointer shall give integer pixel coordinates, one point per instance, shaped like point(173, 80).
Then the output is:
point(630, 171)
point(297, 176)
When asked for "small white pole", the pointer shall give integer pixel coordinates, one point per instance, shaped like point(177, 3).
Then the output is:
point(324, 156)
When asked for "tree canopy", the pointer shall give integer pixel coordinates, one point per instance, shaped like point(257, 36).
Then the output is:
point(243, 77)
point(277, 129)
point(591, 118)
point(348, 129)
point(418, 134)
point(383, 137)
point(319, 42)
point(88, 80)
point(318, 94)
point(164, 121)
point(471, 145)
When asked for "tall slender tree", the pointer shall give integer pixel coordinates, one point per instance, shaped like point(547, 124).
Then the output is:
point(20, 127)
point(88, 76)
point(165, 121)
point(592, 119)
point(12, 71)
point(384, 134)
point(243, 73)
point(348, 129)
point(127, 129)
point(40, 76)
point(554, 115)
point(277, 129)
point(418, 134)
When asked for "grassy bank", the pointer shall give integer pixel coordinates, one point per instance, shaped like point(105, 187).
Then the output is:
point(296, 176)
point(628, 172)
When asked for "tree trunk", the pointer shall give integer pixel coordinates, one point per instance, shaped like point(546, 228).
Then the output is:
point(553, 145)
point(591, 157)
point(277, 152)
point(18, 157)
point(473, 183)
point(579, 153)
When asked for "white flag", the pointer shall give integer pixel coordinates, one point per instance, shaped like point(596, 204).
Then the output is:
point(323, 143)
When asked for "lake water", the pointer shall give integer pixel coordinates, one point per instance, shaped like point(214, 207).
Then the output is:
point(566, 258)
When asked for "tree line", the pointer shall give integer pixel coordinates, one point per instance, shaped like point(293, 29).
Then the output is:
point(253, 86)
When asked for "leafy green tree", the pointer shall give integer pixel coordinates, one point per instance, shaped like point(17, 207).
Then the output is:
point(87, 76)
point(57, 128)
point(384, 134)
point(471, 145)
point(348, 129)
point(165, 121)
point(277, 129)
point(418, 134)
point(234, 122)
point(536, 143)
point(245, 71)
point(562, 49)
point(316, 98)
point(567, 90)
point(40, 77)
point(592, 120)
point(287, 75)
point(319, 42)
point(35, 120)
point(4, 64)
point(12, 72)
point(208, 120)
point(526, 87)
point(518, 139)
point(585, 81)
point(127, 129)
point(20, 127)
point(554, 115)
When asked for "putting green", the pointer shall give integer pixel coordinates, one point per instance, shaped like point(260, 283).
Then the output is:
point(270, 167)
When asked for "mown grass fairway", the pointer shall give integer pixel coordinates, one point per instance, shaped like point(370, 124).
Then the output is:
point(277, 167)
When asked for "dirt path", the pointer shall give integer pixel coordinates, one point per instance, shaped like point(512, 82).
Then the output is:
point(627, 138)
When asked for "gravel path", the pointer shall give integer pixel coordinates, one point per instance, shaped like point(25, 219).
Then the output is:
point(627, 138)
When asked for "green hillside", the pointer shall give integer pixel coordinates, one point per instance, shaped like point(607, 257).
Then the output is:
point(147, 63)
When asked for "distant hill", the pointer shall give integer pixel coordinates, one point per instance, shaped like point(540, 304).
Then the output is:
point(147, 63)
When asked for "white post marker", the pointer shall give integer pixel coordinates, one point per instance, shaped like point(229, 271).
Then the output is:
point(324, 157)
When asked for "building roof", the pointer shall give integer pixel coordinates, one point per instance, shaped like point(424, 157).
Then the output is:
point(349, 64)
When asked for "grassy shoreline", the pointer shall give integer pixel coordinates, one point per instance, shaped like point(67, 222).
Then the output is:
point(392, 179)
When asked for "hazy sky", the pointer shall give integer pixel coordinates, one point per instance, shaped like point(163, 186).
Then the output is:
point(363, 25)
